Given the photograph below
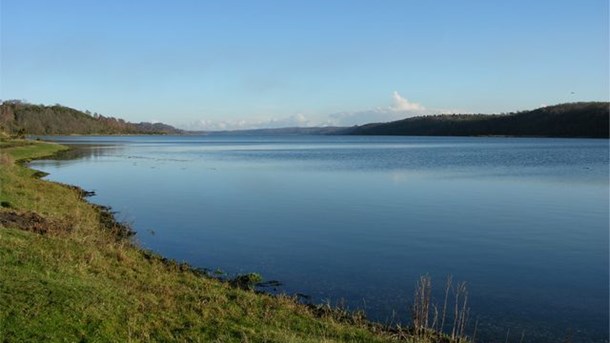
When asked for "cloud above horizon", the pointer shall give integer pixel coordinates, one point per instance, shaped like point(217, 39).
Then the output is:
point(400, 108)
point(296, 120)
point(403, 105)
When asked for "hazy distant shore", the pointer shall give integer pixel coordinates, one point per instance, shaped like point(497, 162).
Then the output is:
point(573, 120)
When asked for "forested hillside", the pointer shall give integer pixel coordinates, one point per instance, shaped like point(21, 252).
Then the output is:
point(18, 118)
point(583, 119)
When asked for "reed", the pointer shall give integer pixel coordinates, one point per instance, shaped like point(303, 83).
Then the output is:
point(421, 305)
point(425, 314)
point(447, 288)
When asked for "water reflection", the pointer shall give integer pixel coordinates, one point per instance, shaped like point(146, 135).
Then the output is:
point(524, 221)
point(80, 153)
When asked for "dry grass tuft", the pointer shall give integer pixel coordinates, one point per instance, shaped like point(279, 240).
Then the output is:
point(6, 159)
point(425, 314)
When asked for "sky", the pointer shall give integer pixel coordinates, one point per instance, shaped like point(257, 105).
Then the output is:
point(214, 65)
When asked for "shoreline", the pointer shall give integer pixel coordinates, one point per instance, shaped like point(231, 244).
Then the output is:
point(254, 134)
point(343, 325)
point(247, 282)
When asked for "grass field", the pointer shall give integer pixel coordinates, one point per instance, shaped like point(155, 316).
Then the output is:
point(66, 276)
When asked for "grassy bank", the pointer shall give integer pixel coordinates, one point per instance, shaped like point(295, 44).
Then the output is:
point(67, 273)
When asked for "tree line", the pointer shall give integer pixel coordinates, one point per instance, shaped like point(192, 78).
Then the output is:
point(582, 119)
point(19, 118)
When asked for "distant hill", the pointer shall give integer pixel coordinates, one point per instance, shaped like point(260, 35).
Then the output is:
point(582, 119)
point(288, 131)
point(17, 117)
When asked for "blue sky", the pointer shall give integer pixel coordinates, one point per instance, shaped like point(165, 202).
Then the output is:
point(244, 64)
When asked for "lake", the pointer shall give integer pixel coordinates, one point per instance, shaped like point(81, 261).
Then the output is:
point(356, 220)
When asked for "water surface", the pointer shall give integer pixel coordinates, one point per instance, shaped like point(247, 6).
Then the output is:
point(357, 219)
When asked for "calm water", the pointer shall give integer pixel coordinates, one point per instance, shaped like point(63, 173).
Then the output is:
point(358, 219)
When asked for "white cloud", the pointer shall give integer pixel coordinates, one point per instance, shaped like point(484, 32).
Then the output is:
point(296, 120)
point(400, 108)
point(363, 117)
point(403, 105)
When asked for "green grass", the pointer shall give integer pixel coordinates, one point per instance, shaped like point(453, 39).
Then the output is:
point(27, 150)
point(81, 283)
